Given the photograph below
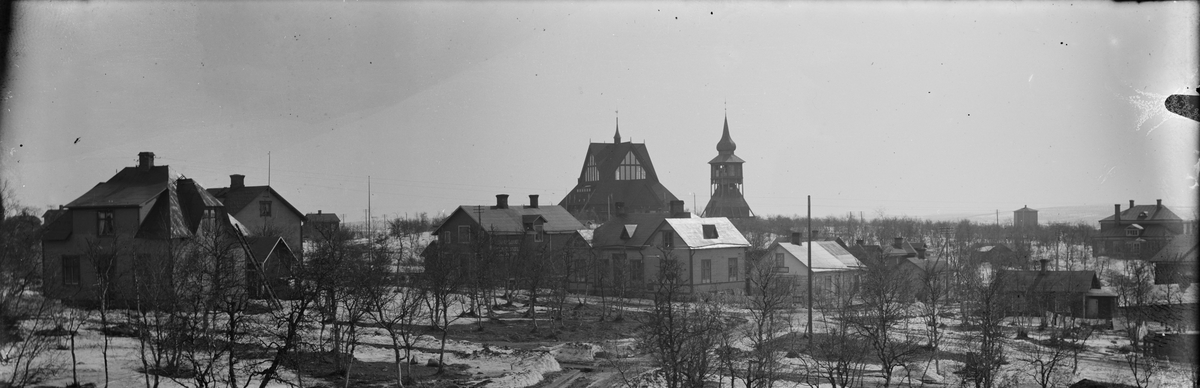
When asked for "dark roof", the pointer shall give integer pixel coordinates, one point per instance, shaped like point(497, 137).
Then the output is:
point(60, 228)
point(865, 252)
point(263, 248)
point(1180, 248)
point(1025, 209)
point(609, 233)
point(50, 215)
point(638, 195)
point(130, 187)
point(511, 219)
point(237, 198)
point(726, 144)
point(1153, 213)
point(1148, 230)
point(322, 217)
point(1048, 281)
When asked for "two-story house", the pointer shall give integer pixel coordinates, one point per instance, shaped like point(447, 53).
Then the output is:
point(137, 236)
point(262, 210)
point(320, 224)
point(1138, 232)
point(503, 235)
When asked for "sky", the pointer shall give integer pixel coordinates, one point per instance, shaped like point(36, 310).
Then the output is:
point(880, 108)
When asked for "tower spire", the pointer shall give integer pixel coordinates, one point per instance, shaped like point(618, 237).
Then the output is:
point(726, 145)
point(617, 136)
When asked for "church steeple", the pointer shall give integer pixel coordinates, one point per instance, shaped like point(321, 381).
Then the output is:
point(726, 145)
point(617, 136)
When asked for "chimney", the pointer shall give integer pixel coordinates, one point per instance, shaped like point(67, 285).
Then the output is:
point(533, 201)
point(858, 242)
point(619, 208)
point(1158, 205)
point(813, 233)
point(318, 212)
point(145, 160)
point(677, 210)
point(1117, 212)
point(1043, 262)
point(898, 242)
point(1131, 204)
point(237, 180)
point(795, 238)
point(501, 201)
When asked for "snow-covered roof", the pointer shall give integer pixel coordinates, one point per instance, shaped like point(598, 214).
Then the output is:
point(691, 230)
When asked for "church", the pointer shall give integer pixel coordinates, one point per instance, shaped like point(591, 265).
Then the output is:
point(617, 172)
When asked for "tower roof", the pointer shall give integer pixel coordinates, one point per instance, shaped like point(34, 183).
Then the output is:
point(617, 136)
point(726, 145)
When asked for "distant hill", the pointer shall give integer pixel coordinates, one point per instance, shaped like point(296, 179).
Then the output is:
point(1090, 214)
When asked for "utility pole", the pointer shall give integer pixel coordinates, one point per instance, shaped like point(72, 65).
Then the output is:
point(369, 230)
point(268, 168)
point(810, 273)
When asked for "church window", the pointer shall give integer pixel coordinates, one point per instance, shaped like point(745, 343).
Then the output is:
point(630, 169)
point(591, 173)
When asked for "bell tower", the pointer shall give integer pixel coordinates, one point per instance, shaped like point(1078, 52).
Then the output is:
point(725, 192)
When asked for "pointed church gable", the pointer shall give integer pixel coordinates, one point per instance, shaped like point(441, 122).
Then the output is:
point(630, 168)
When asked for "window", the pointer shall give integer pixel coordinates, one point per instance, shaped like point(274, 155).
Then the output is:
point(464, 234)
point(710, 231)
point(539, 234)
point(706, 271)
point(668, 239)
point(70, 270)
point(1131, 232)
point(104, 223)
point(591, 173)
point(445, 237)
point(635, 270)
point(264, 208)
point(779, 260)
point(630, 169)
point(733, 269)
point(618, 263)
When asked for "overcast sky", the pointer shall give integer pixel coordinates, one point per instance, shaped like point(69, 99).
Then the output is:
point(895, 108)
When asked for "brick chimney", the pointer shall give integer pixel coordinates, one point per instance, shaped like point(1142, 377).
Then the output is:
point(858, 242)
point(1117, 213)
point(619, 208)
point(1158, 205)
point(898, 242)
point(1043, 262)
point(814, 233)
point(533, 201)
point(145, 160)
point(237, 181)
point(318, 212)
point(796, 238)
point(1131, 204)
point(501, 201)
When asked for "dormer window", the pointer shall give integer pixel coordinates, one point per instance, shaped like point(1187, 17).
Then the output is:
point(1142, 215)
point(539, 234)
point(104, 223)
point(1133, 230)
point(710, 231)
point(628, 231)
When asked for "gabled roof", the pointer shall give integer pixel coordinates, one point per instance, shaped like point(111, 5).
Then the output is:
point(826, 255)
point(237, 198)
point(60, 228)
point(865, 252)
point(130, 187)
point(608, 234)
point(511, 219)
point(264, 248)
point(1049, 281)
point(638, 195)
point(1153, 213)
point(691, 230)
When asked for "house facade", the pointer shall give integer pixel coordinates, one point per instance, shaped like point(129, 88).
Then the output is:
point(262, 210)
point(500, 239)
point(835, 271)
point(141, 235)
point(616, 172)
point(320, 224)
point(1071, 293)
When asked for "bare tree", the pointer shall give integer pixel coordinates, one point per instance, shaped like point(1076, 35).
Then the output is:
point(680, 336)
point(988, 306)
point(1047, 362)
point(769, 302)
point(882, 317)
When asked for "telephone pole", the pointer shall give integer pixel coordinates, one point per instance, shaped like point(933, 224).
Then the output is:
point(810, 273)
